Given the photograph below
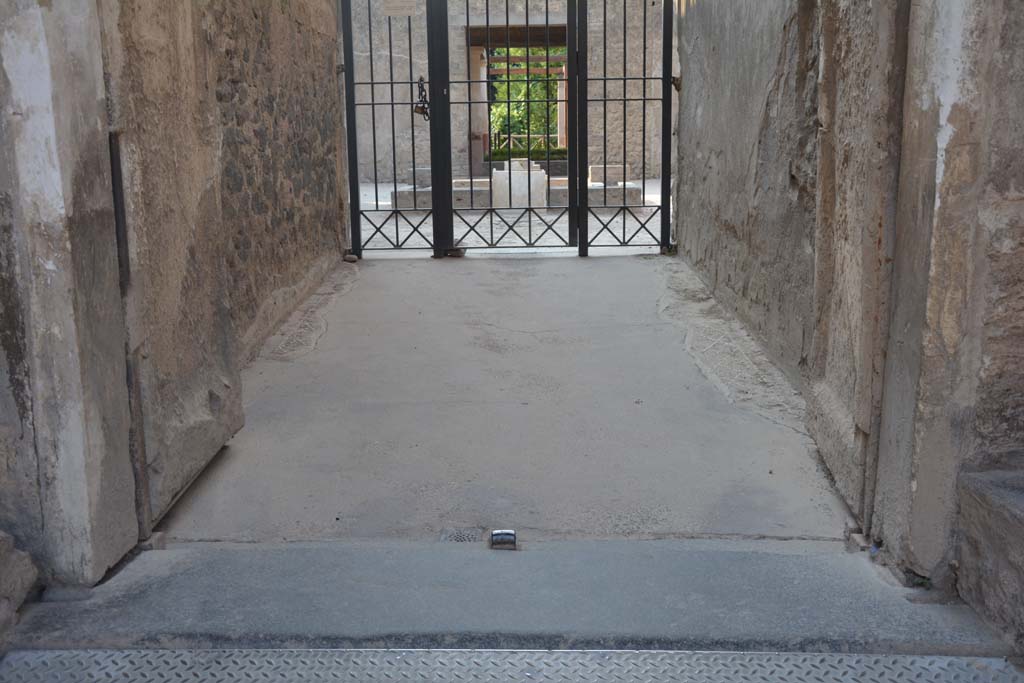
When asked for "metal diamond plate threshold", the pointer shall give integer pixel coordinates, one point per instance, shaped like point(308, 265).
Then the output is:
point(466, 666)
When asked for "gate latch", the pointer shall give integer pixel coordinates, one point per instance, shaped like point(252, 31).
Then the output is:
point(423, 106)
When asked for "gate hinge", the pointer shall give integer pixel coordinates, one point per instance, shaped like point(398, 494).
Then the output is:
point(677, 83)
point(339, 70)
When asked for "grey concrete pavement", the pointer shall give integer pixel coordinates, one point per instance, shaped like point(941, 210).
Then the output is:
point(695, 594)
point(563, 397)
point(590, 404)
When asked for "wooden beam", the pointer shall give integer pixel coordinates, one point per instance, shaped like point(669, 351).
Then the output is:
point(516, 36)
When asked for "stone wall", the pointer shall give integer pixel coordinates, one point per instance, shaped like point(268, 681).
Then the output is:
point(865, 218)
point(66, 484)
point(229, 119)
point(746, 185)
point(214, 130)
point(860, 119)
point(997, 185)
point(955, 350)
point(950, 489)
point(17, 579)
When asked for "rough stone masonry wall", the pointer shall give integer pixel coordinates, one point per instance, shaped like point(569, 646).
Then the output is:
point(999, 190)
point(952, 459)
point(953, 376)
point(745, 191)
point(901, 310)
point(228, 120)
point(788, 205)
point(230, 124)
point(860, 118)
point(17, 579)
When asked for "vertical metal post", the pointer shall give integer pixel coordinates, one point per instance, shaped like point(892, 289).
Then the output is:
point(355, 228)
point(440, 126)
point(572, 95)
point(394, 138)
point(666, 128)
point(582, 153)
point(120, 212)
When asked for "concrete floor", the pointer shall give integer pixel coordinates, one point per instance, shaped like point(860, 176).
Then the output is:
point(562, 397)
point(590, 404)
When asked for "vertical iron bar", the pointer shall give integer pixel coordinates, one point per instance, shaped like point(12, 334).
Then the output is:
point(643, 103)
point(625, 107)
point(440, 126)
point(394, 137)
point(469, 109)
point(412, 121)
point(572, 95)
point(666, 127)
point(547, 105)
point(490, 136)
point(582, 68)
point(355, 228)
point(529, 147)
point(508, 100)
point(604, 99)
point(373, 105)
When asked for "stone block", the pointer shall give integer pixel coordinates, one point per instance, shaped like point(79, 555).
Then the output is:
point(526, 186)
point(613, 174)
point(17, 577)
point(991, 556)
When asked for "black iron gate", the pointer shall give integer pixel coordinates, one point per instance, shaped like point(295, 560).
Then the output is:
point(543, 123)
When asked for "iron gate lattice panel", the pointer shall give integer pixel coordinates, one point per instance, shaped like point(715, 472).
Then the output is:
point(513, 90)
point(469, 123)
point(466, 666)
point(389, 181)
point(620, 93)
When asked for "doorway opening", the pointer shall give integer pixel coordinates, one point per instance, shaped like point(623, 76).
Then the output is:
point(493, 125)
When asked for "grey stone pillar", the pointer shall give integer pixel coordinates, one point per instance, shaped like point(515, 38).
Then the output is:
point(68, 493)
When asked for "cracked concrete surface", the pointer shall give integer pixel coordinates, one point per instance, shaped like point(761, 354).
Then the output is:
point(567, 398)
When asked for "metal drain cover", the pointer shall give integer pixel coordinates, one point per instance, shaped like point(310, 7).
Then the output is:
point(466, 666)
point(462, 534)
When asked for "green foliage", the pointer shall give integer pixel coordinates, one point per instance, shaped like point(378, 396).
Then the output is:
point(541, 154)
point(518, 105)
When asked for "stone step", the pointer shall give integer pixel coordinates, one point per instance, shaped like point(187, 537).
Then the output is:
point(786, 596)
point(17, 578)
point(991, 571)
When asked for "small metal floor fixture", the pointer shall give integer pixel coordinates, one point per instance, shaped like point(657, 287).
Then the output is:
point(462, 534)
point(465, 666)
point(504, 539)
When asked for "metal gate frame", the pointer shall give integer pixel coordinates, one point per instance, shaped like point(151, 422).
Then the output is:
point(577, 93)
